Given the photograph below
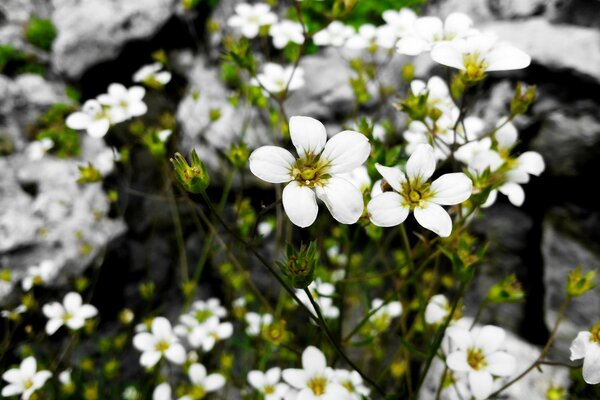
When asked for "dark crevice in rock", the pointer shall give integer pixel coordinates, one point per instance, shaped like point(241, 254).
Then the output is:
point(31, 188)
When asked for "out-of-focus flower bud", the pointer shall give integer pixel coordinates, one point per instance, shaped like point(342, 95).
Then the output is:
point(523, 98)
point(579, 283)
point(507, 291)
point(89, 174)
point(193, 178)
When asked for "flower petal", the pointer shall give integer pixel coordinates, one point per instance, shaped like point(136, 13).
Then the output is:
point(78, 120)
point(507, 57)
point(591, 364)
point(176, 354)
point(489, 338)
point(346, 151)
point(343, 199)
point(421, 163)
point(501, 364)
point(300, 204)
point(481, 384)
point(53, 310)
point(197, 373)
point(387, 209)
point(144, 341)
point(451, 189)
point(98, 128)
point(457, 361)
point(313, 360)
point(295, 377)
point(447, 54)
point(149, 358)
point(579, 345)
point(515, 193)
point(272, 164)
point(161, 327)
point(256, 379)
point(214, 382)
point(433, 217)
point(72, 302)
point(532, 163)
point(308, 135)
point(392, 175)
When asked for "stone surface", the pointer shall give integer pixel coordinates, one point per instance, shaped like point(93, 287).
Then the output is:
point(45, 214)
point(92, 31)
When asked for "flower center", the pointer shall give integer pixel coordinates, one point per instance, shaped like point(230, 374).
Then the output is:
point(476, 358)
point(269, 389)
point(318, 385)
point(309, 171)
point(475, 66)
point(197, 392)
point(595, 333)
point(27, 384)
point(123, 104)
point(67, 316)
point(203, 315)
point(162, 346)
point(349, 386)
point(415, 193)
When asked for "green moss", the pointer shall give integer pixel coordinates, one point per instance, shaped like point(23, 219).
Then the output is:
point(14, 62)
point(51, 125)
point(40, 32)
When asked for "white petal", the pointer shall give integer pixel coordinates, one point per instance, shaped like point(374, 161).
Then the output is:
point(506, 136)
point(214, 382)
point(421, 163)
point(447, 54)
point(53, 310)
point(273, 375)
point(98, 128)
point(433, 217)
point(72, 302)
point(591, 364)
point(300, 204)
point(176, 354)
point(507, 57)
point(515, 193)
point(28, 366)
point(489, 338)
point(457, 361)
point(144, 341)
point(40, 378)
point(429, 28)
point(161, 327)
point(12, 390)
point(87, 311)
point(501, 364)
point(13, 375)
point(149, 358)
point(412, 46)
point(313, 360)
point(256, 379)
point(272, 164)
point(138, 108)
point(481, 384)
point(346, 151)
point(162, 392)
point(136, 93)
point(451, 189)
point(295, 377)
point(308, 135)
point(53, 325)
point(392, 175)
point(532, 162)
point(387, 209)
point(78, 120)
point(343, 199)
point(75, 323)
point(456, 23)
point(197, 373)
point(579, 345)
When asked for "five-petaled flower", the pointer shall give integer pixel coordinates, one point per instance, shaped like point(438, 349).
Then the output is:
point(24, 380)
point(268, 383)
point(411, 191)
point(161, 341)
point(249, 18)
point(72, 313)
point(315, 171)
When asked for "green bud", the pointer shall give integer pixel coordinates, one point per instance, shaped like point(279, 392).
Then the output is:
point(193, 178)
point(214, 114)
point(300, 266)
point(89, 174)
point(126, 316)
point(523, 98)
point(578, 284)
point(111, 369)
point(274, 332)
point(81, 284)
point(146, 290)
point(408, 72)
point(188, 289)
point(189, 4)
point(238, 155)
point(160, 56)
point(507, 291)
point(5, 275)
point(556, 393)
point(415, 106)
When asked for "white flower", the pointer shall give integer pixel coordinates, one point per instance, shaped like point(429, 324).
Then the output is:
point(71, 313)
point(316, 171)
point(428, 31)
point(587, 346)
point(24, 380)
point(479, 54)
point(336, 34)
point(152, 75)
point(250, 17)
point(207, 334)
point(123, 103)
point(438, 94)
point(401, 21)
point(372, 37)
point(37, 149)
point(39, 274)
point(204, 309)
point(164, 135)
point(412, 192)
point(480, 357)
point(256, 322)
point(381, 319)
point(315, 379)
point(359, 177)
point(105, 161)
point(276, 78)
point(268, 384)
point(162, 392)
point(322, 293)
point(202, 382)
point(437, 309)
point(352, 382)
point(92, 118)
point(161, 341)
point(14, 313)
point(265, 228)
point(286, 31)
point(65, 377)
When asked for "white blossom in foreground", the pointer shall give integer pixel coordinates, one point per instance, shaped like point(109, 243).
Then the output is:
point(285, 32)
point(268, 383)
point(159, 342)
point(478, 54)
point(162, 392)
point(587, 346)
point(352, 382)
point(256, 322)
point(276, 79)
point(93, 118)
point(336, 34)
point(152, 75)
point(39, 274)
point(315, 379)
point(413, 192)
point(315, 172)
point(249, 18)
point(202, 383)
point(124, 103)
point(479, 355)
point(428, 31)
point(72, 313)
point(24, 380)
point(322, 293)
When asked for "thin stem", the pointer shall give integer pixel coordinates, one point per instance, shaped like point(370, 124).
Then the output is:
point(336, 345)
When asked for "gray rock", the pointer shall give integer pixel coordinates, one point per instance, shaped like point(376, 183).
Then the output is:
point(95, 30)
point(45, 214)
point(14, 15)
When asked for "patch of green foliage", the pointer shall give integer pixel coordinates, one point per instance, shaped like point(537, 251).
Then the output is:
point(51, 125)
point(15, 62)
point(40, 32)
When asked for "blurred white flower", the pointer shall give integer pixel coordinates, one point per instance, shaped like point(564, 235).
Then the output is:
point(336, 34)
point(92, 118)
point(372, 37)
point(39, 274)
point(14, 313)
point(123, 103)
point(401, 21)
point(381, 319)
point(71, 313)
point(352, 382)
point(322, 293)
point(203, 383)
point(160, 342)
point(256, 322)
point(207, 334)
point(268, 383)
point(437, 309)
point(24, 380)
point(249, 18)
point(276, 79)
point(162, 392)
point(152, 75)
point(286, 31)
point(37, 149)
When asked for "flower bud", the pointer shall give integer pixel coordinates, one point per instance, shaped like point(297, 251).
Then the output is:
point(146, 290)
point(299, 266)
point(556, 393)
point(193, 178)
point(578, 284)
point(88, 174)
point(5, 275)
point(507, 291)
point(126, 316)
point(523, 98)
point(238, 155)
point(274, 332)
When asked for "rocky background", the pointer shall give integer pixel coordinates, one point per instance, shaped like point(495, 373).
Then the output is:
point(45, 214)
